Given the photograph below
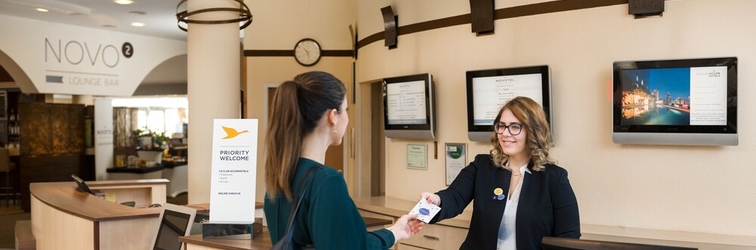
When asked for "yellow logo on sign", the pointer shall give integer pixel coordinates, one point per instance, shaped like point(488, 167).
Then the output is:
point(231, 132)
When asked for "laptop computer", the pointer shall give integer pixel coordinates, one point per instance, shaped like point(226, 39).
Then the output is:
point(175, 221)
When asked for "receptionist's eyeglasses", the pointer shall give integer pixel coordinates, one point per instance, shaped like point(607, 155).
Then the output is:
point(514, 128)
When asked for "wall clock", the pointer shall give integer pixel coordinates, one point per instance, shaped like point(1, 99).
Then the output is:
point(307, 52)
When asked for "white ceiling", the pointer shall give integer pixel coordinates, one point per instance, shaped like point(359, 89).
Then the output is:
point(159, 15)
point(159, 18)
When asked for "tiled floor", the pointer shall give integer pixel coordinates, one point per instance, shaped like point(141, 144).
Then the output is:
point(8, 217)
point(10, 214)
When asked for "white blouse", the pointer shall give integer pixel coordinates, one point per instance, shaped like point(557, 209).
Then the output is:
point(507, 238)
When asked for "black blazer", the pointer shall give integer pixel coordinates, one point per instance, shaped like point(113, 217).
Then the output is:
point(547, 205)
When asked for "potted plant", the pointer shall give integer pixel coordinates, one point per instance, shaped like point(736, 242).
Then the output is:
point(143, 138)
point(149, 139)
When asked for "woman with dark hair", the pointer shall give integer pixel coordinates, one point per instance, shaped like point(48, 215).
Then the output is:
point(309, 115)
point(519, 195)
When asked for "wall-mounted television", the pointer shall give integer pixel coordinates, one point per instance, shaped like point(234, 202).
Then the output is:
point(409, 107)
point(488, 90)
point(676, 102)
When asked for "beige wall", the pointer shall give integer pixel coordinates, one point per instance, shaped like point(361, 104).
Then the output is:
point(278, 25)
point(681, 188)
point(686, 188)
point(266, 72)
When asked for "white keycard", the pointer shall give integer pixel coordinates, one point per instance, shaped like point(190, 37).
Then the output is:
point(425, 211)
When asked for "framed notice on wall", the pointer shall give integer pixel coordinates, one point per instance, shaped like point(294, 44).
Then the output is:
point(456, 158)
point(417, 156)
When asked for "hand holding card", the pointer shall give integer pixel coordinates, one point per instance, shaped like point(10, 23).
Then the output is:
point(425, 211)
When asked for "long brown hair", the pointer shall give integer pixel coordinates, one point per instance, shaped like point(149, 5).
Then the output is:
point(538, 135)
point(298, 105)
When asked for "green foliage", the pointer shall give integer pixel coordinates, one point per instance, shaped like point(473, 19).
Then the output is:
point(157, 138)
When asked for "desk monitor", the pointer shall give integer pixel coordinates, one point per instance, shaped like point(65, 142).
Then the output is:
point(556, 243)
point(175, 221)
point(488, 90)
point(82, 186)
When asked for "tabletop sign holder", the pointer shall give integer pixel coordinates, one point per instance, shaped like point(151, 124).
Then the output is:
point(232, 231)
point(232, 186)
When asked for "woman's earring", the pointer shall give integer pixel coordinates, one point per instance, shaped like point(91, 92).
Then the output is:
point(334, 131)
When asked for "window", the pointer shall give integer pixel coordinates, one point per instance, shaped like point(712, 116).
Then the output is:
point(160, 114)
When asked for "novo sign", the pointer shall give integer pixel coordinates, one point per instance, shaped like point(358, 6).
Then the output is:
point(104, 135)
point(85, 64)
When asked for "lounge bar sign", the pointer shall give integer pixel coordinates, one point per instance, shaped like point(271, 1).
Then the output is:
point(101, 57)
point(53, 58)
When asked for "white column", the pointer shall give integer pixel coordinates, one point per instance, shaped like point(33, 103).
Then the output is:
point(213, 86)
point(83, 99)
point(103, 140)
point(87, 100)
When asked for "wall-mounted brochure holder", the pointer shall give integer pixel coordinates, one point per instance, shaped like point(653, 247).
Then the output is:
point(391, 31)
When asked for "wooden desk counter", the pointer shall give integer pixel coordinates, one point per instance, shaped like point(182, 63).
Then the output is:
point(64, 218)
point(63, 196)
point(393, 207)
point(196, 242)
point(135, 173)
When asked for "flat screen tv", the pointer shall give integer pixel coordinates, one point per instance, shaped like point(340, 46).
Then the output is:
point(676, 102)
point(556, 243)
point(409, 107)
point(488, 90)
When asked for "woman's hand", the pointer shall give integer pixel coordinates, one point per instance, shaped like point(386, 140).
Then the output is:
point(407, 226)
point(431, 198)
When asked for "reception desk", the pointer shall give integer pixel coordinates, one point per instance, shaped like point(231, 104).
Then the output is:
point(135, 173)
point(196, 242)
point(64, 218)
point(450, 233)
point(175, 172)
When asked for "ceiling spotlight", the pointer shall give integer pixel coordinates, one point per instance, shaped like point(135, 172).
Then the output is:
point(137, 24)
point(54, 6)
point(124, 2)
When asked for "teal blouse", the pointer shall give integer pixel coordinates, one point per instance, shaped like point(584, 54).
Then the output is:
point(327, 218)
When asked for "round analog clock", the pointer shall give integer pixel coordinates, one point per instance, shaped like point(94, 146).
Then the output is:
point(307, 52)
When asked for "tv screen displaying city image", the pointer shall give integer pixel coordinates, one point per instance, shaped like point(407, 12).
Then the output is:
point(687, 102)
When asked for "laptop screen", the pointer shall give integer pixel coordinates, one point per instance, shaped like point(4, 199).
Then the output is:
point(173, 225)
